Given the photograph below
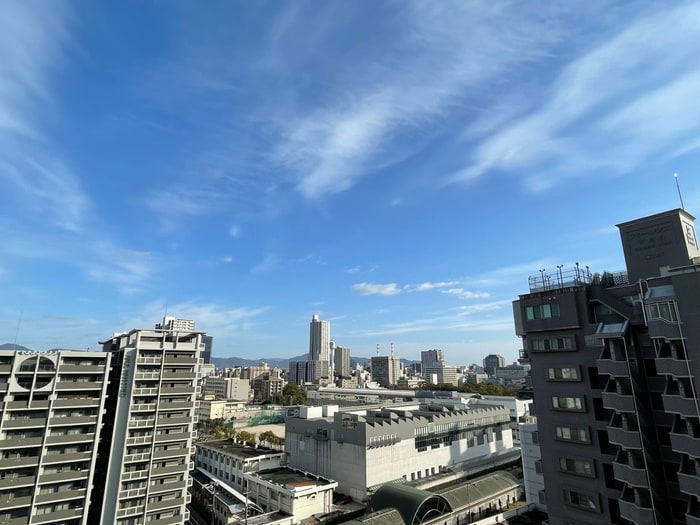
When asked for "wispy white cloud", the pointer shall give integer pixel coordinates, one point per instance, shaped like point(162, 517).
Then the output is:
point(432, 66)
point(609, 109)
point(234, 231)
point(214, 318)
point(466, 294)
point(376, 289)
point(354, 269)
point(424, 287)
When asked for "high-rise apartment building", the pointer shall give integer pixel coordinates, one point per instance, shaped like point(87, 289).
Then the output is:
point(319, 339)
point(147, 443)
point(615, 382)
point(100, 437)
point(493, 361)
point(342, 361)
point(50, 419)
point(208, 348)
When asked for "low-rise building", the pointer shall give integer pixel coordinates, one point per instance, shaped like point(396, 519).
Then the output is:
point(363, 449)
point(231, 388)
point(533, 479)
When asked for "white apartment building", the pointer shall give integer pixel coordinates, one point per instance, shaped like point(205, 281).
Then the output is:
point(231, 388)
point(146, 456)
point(50, 421)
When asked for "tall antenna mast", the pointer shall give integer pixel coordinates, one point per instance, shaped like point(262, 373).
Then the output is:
point(19, 323)
point(377, 348)
point(392, 349)
point(675, 175)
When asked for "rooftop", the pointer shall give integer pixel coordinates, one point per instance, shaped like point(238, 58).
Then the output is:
point(291, 478)
point(237, 449)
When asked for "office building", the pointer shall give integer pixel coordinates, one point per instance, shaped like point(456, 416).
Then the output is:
point(492, 362)
point(363, 448)
point(386, 370)
point(441, 374)
point(146, 447)
point(342, 362)
point(230, 388)
point(51, 417)
point(614, 379)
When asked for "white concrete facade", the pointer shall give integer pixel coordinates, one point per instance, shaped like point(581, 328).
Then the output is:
point(532, 469)
point(364, 449)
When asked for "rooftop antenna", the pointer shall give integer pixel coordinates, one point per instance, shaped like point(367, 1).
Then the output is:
point(675, 176)
point(377, 348)
point(392, 349)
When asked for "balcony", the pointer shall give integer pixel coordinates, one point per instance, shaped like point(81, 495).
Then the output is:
point(692, 520)
point(164, 391)
point(134, 475)
point(163, 454)
point(78, 402)
point(165, 487)
point(164, 421)
point(60, 496)
point(178, 436)
point(133, 493)
point(170, 360)
point(636, 514)
point(16, 482)
point(618, 402)
point(163, 471)
point(5, 368)
point(658, 328)
point(20, 442)
point(80, 369)
point(186, 374)
point(7, 503)
point(130, 511)
point(676, 404)
point(685, 444)
point(634, 477)
point(613, 367)
point(149, 360)
point(77, 420)
point(165, 504)
point(145, 392)
point(79, 385)
point(70, 438)
point(668, 366)
point(143, 407)
point(25, 422)
point(25, 405)
point(172, 520)
point(140, 423)
point(19, 461)
point(628, 439)
point(689, 483)
point(66, 458)
point(137, 458)
point(66, 475)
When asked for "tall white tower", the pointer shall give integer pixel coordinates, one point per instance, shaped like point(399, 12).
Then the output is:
point(319, 339)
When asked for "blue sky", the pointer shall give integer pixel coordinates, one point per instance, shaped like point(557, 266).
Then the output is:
point(399, 168)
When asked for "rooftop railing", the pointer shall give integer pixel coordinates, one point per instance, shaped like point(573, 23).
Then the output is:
point(572, 277)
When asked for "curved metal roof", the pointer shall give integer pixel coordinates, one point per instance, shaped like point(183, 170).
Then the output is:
point(481, 489)
point(415, 505)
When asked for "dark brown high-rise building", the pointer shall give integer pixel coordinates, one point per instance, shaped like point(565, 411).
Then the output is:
point(615, 379)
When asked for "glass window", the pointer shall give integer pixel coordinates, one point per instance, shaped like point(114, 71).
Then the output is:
point(577, 434)
point(563, 374)
point(582, 467)
point(581, 500)
point(574, 403)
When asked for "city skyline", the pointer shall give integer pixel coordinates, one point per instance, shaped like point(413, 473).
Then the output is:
point(399, 169)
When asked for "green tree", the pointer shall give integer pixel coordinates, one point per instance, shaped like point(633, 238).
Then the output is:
point(293, 395)
point(247, 437)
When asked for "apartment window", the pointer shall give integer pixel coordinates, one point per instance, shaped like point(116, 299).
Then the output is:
point(573, 403)
point(542, 311)
point(576, 434)
point(538, 466)
point(581, 467)
point(581, 500)
point(553, 344)
point(665, 311)
point(563, 374)
point(536, 437)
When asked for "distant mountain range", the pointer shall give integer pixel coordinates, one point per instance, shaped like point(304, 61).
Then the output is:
point(276, 362)
point(232, 362)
